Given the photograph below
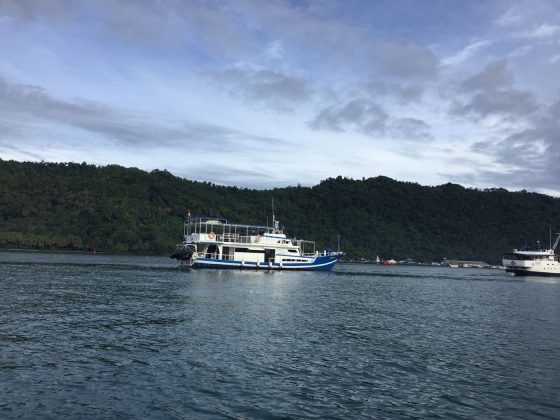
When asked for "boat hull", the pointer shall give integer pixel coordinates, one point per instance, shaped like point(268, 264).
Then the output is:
point(518, 271)
point(532, 268)
point(320, 263)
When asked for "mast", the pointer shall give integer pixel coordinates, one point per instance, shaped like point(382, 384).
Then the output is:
point(187, 222)
point(275, 222)
point(556, 242)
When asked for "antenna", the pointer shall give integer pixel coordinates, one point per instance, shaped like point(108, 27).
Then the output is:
point(556, 242)
point(274, 221)
point(338, 243)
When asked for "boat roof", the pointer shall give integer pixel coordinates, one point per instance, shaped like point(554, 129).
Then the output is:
point(541, 252)
point(207, 219)
point(219, 221)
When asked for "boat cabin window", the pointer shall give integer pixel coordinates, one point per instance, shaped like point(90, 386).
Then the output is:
point(254, 251)
point(523, 257)
point(511, 256)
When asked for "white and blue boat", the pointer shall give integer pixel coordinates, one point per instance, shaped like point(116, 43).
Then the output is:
point(217, 243)
point(539, 262)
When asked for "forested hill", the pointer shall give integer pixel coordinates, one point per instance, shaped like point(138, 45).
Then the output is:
point(115, 209)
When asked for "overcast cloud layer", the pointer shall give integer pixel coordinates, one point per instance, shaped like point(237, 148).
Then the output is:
point(265, 94)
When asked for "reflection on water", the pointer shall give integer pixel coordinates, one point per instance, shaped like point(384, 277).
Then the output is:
point(121, 336)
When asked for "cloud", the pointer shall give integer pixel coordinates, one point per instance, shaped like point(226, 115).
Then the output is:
point(410, 129)
point(266, 87)
point(213, 30)
point(509, 17)
point(406, 61)
point(537, 147)
point(404, 93)
point(274, 50)
point(504, 103)
point(20, 152)
point(362, 115)
point(30, 10)
point(367, 117)
point(543, 31)
point(232, 174)
point(527, 14)
point(495, 75)
point(309, 32)
point(521, 51)
point(25, 105)
point(208, 27)
point(36, 102)
point(493, 95)
point(466, 53)
point(527, 158)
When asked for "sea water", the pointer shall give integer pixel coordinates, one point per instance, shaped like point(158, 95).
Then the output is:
point(102, 336)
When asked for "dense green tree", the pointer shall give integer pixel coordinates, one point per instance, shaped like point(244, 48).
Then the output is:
point(74, 206)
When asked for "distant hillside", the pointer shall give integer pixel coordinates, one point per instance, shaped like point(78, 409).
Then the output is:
point(83, 207)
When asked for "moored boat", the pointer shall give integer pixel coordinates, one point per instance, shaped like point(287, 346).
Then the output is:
point(376, 261)
point(539, 262)
point(217, 243)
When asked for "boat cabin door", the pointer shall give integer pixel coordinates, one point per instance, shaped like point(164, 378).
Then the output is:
point(269, 255)
point(212, 251)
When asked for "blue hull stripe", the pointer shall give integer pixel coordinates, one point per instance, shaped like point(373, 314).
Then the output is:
point(321, 263)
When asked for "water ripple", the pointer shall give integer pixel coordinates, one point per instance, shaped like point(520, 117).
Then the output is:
point(135, 337)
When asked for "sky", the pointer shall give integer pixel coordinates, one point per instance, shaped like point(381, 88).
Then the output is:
point(264, 94)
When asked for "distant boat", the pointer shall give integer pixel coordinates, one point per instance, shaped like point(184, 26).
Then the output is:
point(408, 261)
point(376, 261)
point(540, 262)
point(389, 262)
point(217, 243)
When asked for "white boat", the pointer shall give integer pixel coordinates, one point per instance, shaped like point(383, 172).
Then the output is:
point(540, 262)
point(408, 261)
point(217, 243)
point(376, 261)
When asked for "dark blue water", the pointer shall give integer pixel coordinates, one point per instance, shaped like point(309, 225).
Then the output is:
point(133, 337)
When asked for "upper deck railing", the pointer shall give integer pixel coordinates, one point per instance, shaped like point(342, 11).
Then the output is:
point(222, 226)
